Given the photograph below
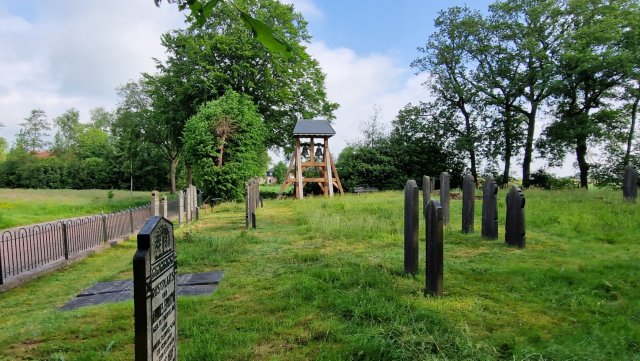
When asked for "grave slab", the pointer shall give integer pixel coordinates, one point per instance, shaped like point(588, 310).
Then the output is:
point(190, 284)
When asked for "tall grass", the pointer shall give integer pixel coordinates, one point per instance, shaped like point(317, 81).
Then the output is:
point(27, 206)
point(322, 279)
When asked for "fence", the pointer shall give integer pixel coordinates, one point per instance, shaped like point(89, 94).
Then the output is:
point(27, 248)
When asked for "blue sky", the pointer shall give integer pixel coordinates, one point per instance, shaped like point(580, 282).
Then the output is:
point(58, 54)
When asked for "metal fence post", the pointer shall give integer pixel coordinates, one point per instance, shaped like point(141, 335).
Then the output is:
point(65, 240)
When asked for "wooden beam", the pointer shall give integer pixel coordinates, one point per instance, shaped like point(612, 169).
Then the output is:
point(299, 186)
point(288, 180)
point(327, 160)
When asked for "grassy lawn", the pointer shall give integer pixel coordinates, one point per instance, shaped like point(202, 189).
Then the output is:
point(27, 206)
point(321, 279)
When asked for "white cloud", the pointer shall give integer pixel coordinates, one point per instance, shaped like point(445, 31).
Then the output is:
point(360, 82)
point(75, 53)
point(307, 7)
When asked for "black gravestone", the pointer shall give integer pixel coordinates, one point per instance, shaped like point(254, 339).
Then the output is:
point(490, 208)
point(468, 203)
point(630, 183)
point(154, 292)
point(444, 196)
point(514, 224)
point(435, 248)
point(411, 219)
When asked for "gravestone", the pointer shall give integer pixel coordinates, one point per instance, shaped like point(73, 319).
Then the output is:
point(630, 183)
point(411, 199)
point(490, 208)
point(180, 208)
point(514, 224)
point(187, 205)
point(426, 192)
point(468, 203)
point(164, 211)
point(444, 196)
point(155, 203)
point(434, 224)
point(154, 292)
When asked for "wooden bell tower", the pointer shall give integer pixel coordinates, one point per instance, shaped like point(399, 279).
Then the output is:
point(309, 154)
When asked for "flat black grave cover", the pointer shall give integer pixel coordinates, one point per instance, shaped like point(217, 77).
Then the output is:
point(190, 284)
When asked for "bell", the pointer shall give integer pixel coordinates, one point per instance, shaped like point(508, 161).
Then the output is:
point(305, 151)
point(319, 153)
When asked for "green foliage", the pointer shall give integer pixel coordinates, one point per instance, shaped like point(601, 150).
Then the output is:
point(221, 166)
point(543, 179)
point(31, 135)
point(280, 172)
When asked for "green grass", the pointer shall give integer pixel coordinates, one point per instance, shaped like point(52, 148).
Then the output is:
point(321, 279)
point(27, 206)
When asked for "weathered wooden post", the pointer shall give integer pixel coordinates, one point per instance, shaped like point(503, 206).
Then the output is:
point(434, 224)
point(411, 224)
point(468, 203)
point(444, 196)
point(515, 225)
point(630, 183)
point(490, 208)
point(180, 208)
point(154, 292)
point(155, 203)
point(426, 192)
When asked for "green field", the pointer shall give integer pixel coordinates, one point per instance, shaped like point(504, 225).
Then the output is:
point(28, 206)
point(321, 279)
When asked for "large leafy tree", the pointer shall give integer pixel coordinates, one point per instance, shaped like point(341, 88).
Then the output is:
point(447, 60)
point(222, 55)
point(593, 62)
point(223, 162)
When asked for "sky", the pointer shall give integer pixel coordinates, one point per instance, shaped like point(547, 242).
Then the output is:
point(59, 54)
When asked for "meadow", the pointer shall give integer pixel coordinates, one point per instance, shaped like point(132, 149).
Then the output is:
point(20, 207)
point(322, 279)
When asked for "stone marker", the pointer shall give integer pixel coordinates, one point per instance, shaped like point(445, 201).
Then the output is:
point(180, 208)
point(468, 203)
point(155, 203)
point(435, 248)
point(426, 192)
point(154, 292)
point(490, 208)
point(630, 183)
point(164, 211)
point(514, 225)
point(187, 205)
point(411, 219)
point(444, 196)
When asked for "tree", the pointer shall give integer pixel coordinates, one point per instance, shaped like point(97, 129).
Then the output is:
point(280, 171)
point(531, 31)
point(101, 119)
point(244, 152)
point(446, 59)
point(221, 55)
point(67, 125)
point(31, 135)
point(3, 149)
point(592, 64)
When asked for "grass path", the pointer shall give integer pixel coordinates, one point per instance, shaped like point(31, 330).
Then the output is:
point(322, 279)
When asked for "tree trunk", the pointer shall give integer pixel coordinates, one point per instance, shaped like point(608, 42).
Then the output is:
point(581, 155)
point(471, 145)
point(173, 166)
point(634, 114)
point(221, 148)
point(528, 147)
point(189, 174)
point(507, 149)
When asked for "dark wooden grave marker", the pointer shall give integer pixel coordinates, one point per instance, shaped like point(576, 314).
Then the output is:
point(468, 203)
point(490, 208)
point(444, 196)
point(630, 183)
point(515, 234)
point(411, 224)
point(434, 224)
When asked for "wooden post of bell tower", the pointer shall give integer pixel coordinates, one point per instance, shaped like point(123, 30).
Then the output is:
point(309, 154)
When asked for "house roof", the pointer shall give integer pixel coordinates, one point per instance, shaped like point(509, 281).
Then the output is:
point(317, 127)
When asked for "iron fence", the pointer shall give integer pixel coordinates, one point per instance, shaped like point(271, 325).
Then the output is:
point(27, 248)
